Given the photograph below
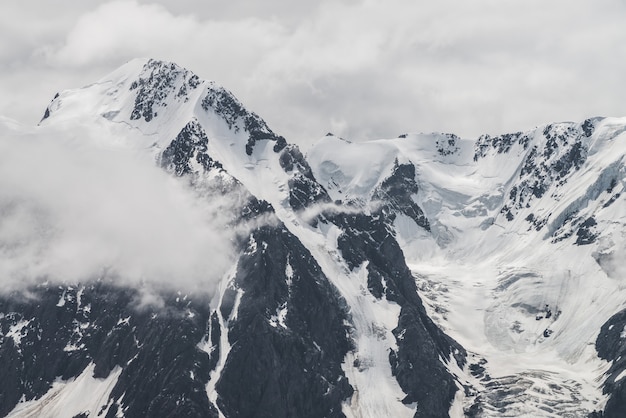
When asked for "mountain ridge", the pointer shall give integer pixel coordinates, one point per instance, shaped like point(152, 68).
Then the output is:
point(390, 239)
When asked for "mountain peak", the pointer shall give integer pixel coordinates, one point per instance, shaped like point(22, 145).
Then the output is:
point(158, 83)
point(463, 277)
point(160, 98)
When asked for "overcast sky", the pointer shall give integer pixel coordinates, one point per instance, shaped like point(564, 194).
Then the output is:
point(359, 68)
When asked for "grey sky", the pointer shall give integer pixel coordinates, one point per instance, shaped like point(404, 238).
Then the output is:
point(359, 68)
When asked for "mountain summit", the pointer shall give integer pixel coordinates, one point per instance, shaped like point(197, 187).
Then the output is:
point(421, 276)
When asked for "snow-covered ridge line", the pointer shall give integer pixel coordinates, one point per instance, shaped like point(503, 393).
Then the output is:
point(160, 98)
point(515, 243)
point(550, 198)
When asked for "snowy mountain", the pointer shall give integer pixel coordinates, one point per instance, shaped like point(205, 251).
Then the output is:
point(419, 276)
point(518, 257)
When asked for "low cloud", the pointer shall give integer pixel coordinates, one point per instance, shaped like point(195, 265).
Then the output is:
point(313, 212)
point(73, 210)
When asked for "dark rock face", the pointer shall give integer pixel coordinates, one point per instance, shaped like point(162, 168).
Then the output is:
point(611, 346)
point(586, 233)
point(501, 144)
point(563, 152)
point(304, 190)
point(47, 113)
point(64, 329)
point(448, 145)
point(416, 364)
point(160, 80)
point(289, 338)
point(559, 150)
point(280, 364)
point(589, 125)
point(288, 335)
point(190, 143)
point(395, 194)
point(157, 81)
point(225, 104)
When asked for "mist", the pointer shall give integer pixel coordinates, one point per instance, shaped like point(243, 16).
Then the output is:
point(73, 209)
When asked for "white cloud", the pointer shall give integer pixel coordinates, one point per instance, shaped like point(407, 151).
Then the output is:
point(379, 68)
point(121, 30)
point(465, 67)
point(73, 210)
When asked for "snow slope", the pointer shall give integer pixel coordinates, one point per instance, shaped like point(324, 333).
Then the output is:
point(148, 122)
point(82, 395)
point(515, 243)
point(520, 265)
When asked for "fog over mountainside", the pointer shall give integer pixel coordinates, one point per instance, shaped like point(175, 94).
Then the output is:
point(163, 252)
point(73, 208)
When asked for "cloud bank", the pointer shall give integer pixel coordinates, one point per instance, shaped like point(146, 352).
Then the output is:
point(73, 211)
point(360, 68)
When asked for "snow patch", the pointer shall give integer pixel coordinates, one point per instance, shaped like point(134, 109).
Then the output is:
point(17, 331)
point(224, 346)
point(61, 301)
point(278, 320)
point(83, 394)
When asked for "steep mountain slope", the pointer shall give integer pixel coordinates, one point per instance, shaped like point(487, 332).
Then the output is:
point(420, 276)
point(517, 258)
point(318, 316)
